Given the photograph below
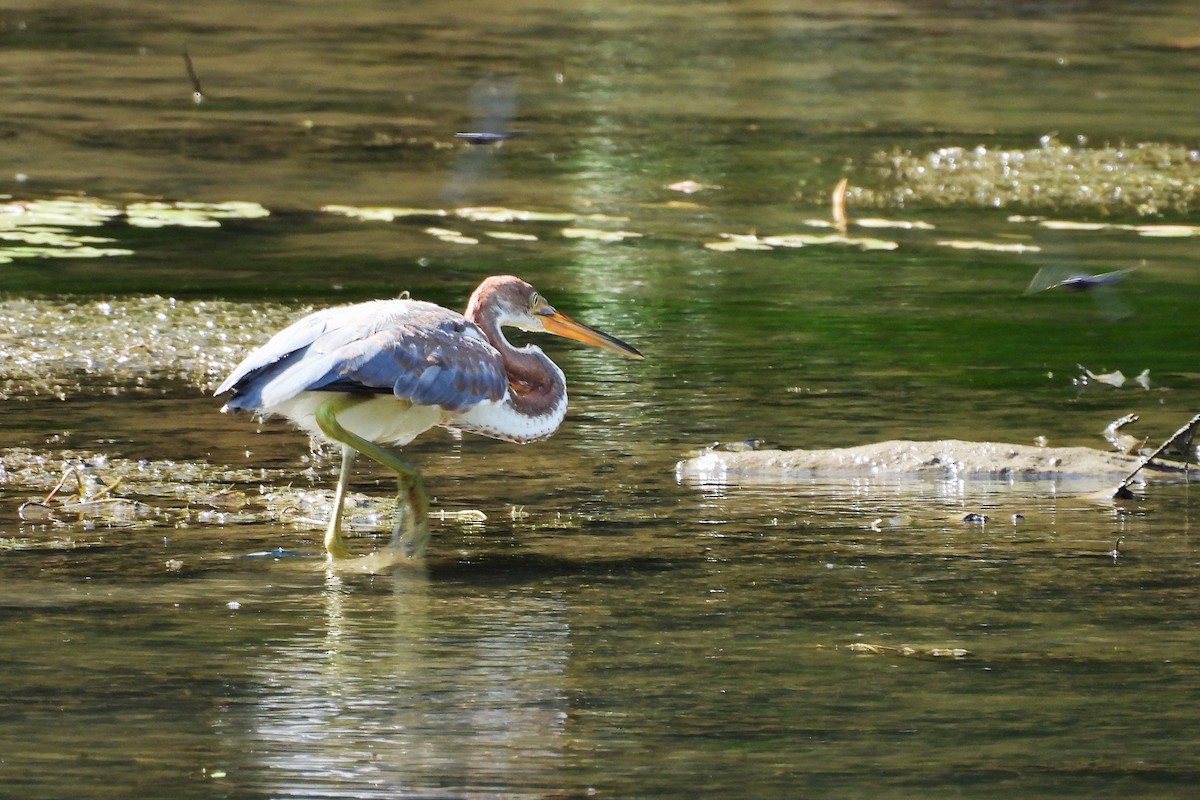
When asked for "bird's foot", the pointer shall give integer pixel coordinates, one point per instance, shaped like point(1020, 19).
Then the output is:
point(335, 545)
point(410, 536)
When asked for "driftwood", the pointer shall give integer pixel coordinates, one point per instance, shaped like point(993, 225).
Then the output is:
point(1186, 433)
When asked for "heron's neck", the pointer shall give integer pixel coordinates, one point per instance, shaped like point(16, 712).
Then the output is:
point(537, 387)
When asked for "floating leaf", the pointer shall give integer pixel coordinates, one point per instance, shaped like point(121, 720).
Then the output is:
point(995, 247)
point(454, 237)
point(738, 241)
point(902, 224)
point(1068, 225)
point(1115, 378)
point(1168, 231)
point(812, 239)
point(598, 235)
point(69, 211)
point(381, 213)
point(500, 214)
point(159, 214)
point(1164, 231)
point(512, 236)
point(690, 186)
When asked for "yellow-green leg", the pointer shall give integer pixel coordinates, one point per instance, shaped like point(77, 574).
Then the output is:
point(335, 545)
point(411, 533)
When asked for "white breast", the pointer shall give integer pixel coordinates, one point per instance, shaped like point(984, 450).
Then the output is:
point(501, 421)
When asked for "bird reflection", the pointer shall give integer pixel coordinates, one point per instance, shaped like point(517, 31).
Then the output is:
point(399, 693)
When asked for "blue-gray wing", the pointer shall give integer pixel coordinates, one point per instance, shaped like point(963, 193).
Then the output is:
point(417, 351)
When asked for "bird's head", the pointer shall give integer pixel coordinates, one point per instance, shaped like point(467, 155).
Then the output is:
point(506, 300)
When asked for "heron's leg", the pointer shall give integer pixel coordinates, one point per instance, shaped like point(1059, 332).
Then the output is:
point(415, 523)
point(335, 545)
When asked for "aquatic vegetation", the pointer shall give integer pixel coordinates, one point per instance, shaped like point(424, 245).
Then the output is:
point(452, 236)
point(159, 214)
point(738, 241)
point(811, 240)
point(1154, 231)
point(994, 247)
point(80, 491)
point(501, 214)
point(1146, 178)
point(42, 229)
point(382, 213)
point(599, 234)
point(734, 241)
point(62, 346)
point(45, 228)
point(511, 236)
point(690, 186)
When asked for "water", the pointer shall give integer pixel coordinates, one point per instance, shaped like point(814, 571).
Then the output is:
point(609, 630)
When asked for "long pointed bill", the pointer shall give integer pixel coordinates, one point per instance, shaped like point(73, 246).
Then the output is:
point(561, 325)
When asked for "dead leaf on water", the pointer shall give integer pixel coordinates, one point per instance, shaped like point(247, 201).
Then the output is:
point(599, 235)
point(690, 186)
point(812, 239)
point(452, 236)
point(1168, 231)
point(382, 213)
point(994, 247)
point(738, 241)
point(901, 224)
point(511, 236)
point(501, 214)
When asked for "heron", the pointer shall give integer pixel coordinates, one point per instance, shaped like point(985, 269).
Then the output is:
point(373, 376)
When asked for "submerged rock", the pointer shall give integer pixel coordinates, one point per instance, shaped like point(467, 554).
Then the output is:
point(939, 459)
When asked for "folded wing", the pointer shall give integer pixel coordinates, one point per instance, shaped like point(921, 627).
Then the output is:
point(417, 351)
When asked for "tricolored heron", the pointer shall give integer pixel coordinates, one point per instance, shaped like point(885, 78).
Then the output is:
point(381, 373)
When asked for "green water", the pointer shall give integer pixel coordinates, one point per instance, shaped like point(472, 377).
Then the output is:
point(610, 630)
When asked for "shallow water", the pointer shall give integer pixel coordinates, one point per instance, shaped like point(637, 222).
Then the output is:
point(609, 630)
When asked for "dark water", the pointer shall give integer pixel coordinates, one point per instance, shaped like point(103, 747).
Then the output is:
point(609, 630)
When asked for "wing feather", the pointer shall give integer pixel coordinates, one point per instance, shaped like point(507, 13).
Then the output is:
point(417, 351)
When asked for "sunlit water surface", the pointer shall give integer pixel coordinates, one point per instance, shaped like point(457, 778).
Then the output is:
point(609, 630)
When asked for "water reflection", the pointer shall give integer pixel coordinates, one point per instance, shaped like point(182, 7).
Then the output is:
point(404, 691)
